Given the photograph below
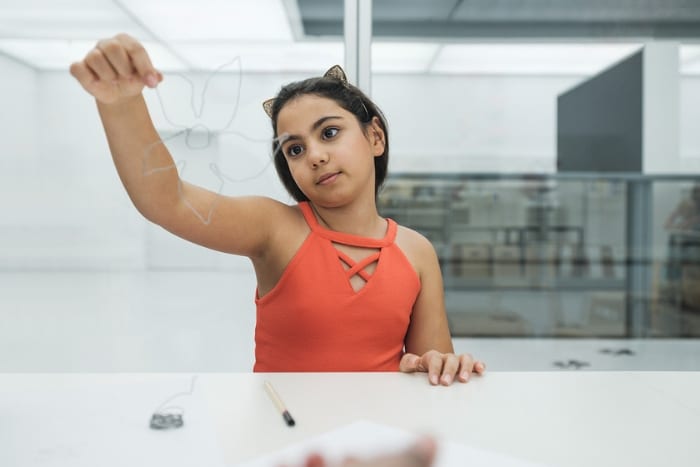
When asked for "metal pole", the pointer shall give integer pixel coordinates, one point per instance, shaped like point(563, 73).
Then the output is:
point(358, 43)
point(639, 244)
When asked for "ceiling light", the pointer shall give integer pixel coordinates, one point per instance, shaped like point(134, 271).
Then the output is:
point(207, 20)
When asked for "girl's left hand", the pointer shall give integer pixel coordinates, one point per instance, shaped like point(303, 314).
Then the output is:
point(442, 368)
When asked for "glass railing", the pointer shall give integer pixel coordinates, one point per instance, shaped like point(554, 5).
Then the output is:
point(560, 255)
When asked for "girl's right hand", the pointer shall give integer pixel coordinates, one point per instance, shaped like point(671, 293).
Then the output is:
point(116, 69)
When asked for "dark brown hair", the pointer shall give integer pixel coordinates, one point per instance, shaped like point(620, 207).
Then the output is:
point(348, 97)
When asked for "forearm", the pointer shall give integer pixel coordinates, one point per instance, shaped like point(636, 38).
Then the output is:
point(143, 162)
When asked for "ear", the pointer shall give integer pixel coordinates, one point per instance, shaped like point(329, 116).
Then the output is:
point(377, 137)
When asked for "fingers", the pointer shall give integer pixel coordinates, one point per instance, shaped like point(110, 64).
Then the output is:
point(467, 366)
point(409, 363)
point(84, 75)
point(140, 60)
point(450, 367)
point(116, 56)
point(120, 57)
point(434, 362)
point(100, 65)
point(442, 368)
point(430, 362)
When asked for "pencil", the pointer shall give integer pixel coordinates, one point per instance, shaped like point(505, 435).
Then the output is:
point(279, 404)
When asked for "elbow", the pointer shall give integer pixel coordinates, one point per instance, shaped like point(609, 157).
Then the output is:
point(150, 214)
point(155, 209)
point(147, 215)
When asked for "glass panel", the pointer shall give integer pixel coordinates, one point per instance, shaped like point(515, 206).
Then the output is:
point(473, 95)
point(552, 255)
point(676, 259)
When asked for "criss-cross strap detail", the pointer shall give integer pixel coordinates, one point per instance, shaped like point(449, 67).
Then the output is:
point(359, 266)
point(353, 267)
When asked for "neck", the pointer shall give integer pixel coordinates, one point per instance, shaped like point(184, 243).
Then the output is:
point(362, 220)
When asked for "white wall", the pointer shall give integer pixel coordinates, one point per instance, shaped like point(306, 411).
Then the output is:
point(471, 123)
point(19, 113)
point(82, 212)
point(690, 118)
point(19, 164)
point(495, 124)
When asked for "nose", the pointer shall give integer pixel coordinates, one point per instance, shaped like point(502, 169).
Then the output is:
point(317, 155)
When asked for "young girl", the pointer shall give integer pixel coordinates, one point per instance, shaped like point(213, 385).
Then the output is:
point(339, 287)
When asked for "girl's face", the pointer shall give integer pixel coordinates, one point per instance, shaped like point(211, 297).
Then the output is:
point(330, 156)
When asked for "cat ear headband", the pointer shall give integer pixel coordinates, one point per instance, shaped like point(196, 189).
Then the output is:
point(334, 72)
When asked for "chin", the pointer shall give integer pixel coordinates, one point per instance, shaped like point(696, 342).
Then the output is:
point(330, 201)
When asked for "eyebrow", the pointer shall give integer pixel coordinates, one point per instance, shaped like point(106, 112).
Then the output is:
point(316, 124)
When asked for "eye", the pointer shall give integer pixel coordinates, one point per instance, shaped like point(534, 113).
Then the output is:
point(294, 150)
point(330, 132)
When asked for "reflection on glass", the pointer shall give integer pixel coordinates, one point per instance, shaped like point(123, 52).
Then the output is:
point(542, 255)
point(549, 255)
point(678, 270)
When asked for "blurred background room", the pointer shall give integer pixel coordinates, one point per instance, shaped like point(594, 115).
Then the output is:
point(550, 150)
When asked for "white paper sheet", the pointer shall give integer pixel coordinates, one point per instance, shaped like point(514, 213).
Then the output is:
point(364, 439)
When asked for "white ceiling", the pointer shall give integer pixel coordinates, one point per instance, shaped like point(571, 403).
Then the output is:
point(266, 36)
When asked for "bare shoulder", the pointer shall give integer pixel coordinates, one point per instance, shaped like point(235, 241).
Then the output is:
point(288, 229)
point(282, 220)
point(417, 248)
point(289, 216)
point(411, 240)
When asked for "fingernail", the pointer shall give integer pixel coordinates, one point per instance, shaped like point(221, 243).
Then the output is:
point(434, 379)
point(464, 376)
point(447, 379)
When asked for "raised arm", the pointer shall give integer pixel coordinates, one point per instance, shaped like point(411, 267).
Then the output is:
point(115, 73)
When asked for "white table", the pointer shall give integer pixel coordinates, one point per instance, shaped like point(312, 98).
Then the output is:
point(555, 418)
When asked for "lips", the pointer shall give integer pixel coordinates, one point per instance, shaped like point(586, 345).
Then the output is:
point(327, 178)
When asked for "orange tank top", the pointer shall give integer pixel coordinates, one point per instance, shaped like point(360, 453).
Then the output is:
point(313, 319)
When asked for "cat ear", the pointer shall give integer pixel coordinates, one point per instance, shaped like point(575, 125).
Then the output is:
point(267, 106)
point(336, 72)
